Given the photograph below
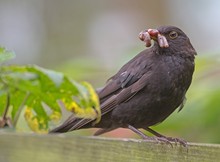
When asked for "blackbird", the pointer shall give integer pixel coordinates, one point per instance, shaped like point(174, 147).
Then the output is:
point(147, 89)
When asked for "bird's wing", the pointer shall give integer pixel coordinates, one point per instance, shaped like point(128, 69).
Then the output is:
point(131, 78)
point(108, 105)
point(118, 83)
point(125, 94)
point(127, 75)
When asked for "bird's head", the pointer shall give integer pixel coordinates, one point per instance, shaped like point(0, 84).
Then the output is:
point(169, 37)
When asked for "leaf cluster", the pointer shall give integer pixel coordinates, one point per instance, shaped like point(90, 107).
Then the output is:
point(41, 93)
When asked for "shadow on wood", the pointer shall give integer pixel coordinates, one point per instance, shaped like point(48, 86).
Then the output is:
point(15, 147)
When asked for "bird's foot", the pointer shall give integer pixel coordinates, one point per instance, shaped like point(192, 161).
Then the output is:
point(170, 139)
point(167, 140)
point(177, 140)
point(158, 137)
point(162, 140)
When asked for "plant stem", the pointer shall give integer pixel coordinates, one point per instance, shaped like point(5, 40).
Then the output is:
point(4, 121)
point(17, 115)
point(4, 117)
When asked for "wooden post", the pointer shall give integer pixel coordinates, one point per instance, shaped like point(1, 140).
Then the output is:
point(17, 147)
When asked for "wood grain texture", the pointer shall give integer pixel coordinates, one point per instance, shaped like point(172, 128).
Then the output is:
point(16, 147)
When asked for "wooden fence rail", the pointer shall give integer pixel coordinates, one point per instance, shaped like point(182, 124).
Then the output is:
point(15, 147)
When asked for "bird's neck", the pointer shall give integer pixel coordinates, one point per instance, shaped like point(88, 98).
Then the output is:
point(183, 53)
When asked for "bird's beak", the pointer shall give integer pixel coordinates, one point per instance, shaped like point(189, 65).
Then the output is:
point(154, 34)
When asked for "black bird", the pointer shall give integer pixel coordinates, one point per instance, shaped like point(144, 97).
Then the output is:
point(147, 89)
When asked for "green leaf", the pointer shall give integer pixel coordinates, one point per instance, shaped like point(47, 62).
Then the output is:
point(3, 100)
point(36, 122)
point(5, 54)
point(16, 101)
point(55, 77)
point(39, 90)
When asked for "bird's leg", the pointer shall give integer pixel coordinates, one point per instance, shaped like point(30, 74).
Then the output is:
point(138, 132)
point(171, 139)
point(147, 137)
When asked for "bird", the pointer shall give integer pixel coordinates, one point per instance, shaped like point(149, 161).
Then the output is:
point(147, 89)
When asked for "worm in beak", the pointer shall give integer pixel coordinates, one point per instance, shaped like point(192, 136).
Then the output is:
point(149, 34)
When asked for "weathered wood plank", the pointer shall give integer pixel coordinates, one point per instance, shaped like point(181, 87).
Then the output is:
point(57, 148)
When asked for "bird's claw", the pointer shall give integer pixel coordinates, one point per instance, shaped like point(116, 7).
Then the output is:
point(167, 140)
point(163, 140)
point(158, 140)
point(177, 140)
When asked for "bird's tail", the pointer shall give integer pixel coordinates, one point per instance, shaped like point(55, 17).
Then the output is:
point(72, 123)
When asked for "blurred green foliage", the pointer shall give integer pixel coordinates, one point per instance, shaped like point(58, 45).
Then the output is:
point(41, 93)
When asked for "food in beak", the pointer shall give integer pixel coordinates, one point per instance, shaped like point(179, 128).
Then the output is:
point(154, 34)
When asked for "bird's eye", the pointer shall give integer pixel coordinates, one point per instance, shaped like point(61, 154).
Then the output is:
point(173, 34)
